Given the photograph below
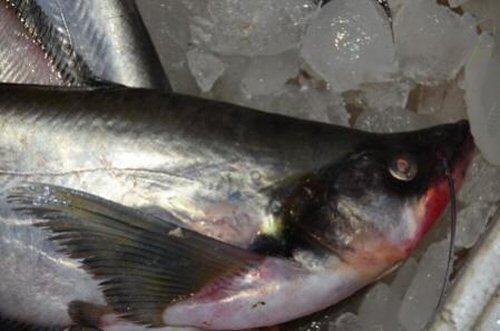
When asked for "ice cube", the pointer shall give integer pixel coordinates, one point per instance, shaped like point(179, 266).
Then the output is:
point(403, 278)
point(381, 96)
point(483, 97)
point(423, 294)
point(432, 42)
point(445, 102)
point(257, 27)
point(350, 43)
point(336, 111)
point(304, 102)
point(168, 28)
point(228, 87)
point(170, 18)
point(391, 120)
point(482, 182)
point(268, 74)
point(346, 322)
point(471, 222)
point(206, 68)
point(377, 309)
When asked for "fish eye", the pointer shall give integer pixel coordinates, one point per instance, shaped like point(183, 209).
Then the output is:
point(403, 167)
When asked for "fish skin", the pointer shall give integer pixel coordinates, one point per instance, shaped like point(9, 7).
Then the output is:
point(175, 155)
point(22, 61)
point(84, 42)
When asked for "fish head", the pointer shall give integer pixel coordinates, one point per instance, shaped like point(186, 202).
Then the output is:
point(375, 205)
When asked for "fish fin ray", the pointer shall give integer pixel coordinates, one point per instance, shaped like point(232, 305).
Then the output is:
point(144, 263)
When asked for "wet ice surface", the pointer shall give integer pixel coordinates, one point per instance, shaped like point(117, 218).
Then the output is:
point(470, 223)
point(481, 83)
point(482, 184)
point(421, 297)
point(383, 299)
point(382, 96)
point(346, 322)
point(267, 74)
point(391, 120)
point(432, 42)
point(350, 43)
point(205, 67)
point(234, 27)
point(339, 64)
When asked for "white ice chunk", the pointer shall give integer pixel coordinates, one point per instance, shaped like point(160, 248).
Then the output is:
point(337, 112)
point(403, 278)
point(482, 96)
point(350, 43)
point(432, 42)
point(391, 120)
point(445, 102)
point(471, 222)
point(256, 27)
point(379, 304)
point(170, 18)
point(168, 28)
point(423, 294)
point(302, 98)
point(381, 96)
point(268, 74)
point(482, 182)
point(346, 322)
point(228, 87)
point(206, 68)
point(377, 310)
point(304, 102)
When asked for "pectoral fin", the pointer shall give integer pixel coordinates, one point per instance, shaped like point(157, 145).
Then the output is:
point(145, 263)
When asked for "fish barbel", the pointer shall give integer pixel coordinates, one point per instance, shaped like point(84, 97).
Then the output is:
point(209, 215)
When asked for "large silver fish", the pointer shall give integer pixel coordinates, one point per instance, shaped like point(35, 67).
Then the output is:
point(248, 219)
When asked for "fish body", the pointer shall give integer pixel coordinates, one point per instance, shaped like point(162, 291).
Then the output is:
point(210, 215)
point(77, 43)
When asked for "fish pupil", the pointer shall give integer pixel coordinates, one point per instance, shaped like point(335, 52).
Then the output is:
point(403, 165)
point(403, 168)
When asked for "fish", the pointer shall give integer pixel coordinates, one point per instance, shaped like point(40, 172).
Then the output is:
point(132, 209)
point(77, 43)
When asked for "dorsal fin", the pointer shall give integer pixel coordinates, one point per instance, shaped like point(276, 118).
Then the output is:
point(145, 263)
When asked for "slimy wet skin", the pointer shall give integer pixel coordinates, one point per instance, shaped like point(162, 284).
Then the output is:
point(247, 219)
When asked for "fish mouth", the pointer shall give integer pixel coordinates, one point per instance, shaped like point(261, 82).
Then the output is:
point(456, 155)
